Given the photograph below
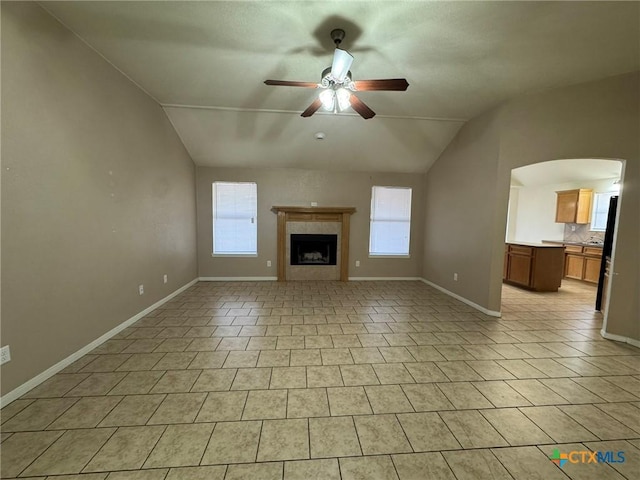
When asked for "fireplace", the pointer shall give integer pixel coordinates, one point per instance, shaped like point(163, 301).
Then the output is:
point(313, 249)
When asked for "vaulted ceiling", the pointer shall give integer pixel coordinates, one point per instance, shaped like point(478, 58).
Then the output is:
point(205, 63)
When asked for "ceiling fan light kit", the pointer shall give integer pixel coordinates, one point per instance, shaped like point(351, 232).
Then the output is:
point(337, 84)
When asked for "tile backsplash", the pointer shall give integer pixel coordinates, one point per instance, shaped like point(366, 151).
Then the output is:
point(582, 233)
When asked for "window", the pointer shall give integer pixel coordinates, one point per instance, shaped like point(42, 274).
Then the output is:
point(235, 208)
point(390, 221)
point(600, 211)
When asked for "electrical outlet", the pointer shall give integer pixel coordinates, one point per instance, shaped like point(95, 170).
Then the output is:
point(268, 263)
point(165, 279)
point(357, 263)
point(314, 204)
point(5, 355)
point(141, 289)
point(455, 277)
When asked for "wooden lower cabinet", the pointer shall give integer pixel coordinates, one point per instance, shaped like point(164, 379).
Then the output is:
point(591, 269)
point(535, 268)
point(574, 266)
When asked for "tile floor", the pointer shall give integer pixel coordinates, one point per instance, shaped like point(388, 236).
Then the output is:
point(361, 380)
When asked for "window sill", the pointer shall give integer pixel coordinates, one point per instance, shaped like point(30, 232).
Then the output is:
point(371, 255)
point(248, 255)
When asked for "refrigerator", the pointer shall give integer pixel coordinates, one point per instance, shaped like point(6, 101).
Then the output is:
point(607, 247)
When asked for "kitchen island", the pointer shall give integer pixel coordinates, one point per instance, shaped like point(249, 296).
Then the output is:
point(534, 266)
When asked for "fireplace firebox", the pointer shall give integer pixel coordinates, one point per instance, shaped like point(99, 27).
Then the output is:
point(313, 249)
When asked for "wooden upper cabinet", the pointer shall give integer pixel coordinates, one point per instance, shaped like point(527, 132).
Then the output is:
point(574, 206)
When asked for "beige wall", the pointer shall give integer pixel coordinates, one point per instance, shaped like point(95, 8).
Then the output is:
point(98, 196)
point(591, 120)
point(293, 187)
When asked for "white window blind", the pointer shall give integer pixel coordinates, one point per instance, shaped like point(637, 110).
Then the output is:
point(390, 221)
point(235, 208)
point(600, 211)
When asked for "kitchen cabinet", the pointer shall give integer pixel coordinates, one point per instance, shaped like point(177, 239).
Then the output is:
point(574, 266)
point(574, 206)
point(582, 263)
point(534, 266)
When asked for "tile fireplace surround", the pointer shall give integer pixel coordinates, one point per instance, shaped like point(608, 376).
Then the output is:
point(313, 220)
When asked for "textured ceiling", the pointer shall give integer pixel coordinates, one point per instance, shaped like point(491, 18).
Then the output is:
point(205, 62)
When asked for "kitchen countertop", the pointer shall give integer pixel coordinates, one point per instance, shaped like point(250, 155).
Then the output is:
point(535, 244)
point(581, 244)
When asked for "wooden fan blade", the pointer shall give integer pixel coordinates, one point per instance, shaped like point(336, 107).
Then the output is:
point(397, 84)
point(313, 108)
point(360, 107)
point(287, 83)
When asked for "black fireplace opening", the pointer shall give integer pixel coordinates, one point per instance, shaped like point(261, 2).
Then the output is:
point(313, 249)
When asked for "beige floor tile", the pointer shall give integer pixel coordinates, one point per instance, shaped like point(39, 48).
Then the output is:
point(536, 392)
point(213, 472)
point(333, 437)
point(529, 463)
point(325, 376)
point(426, 397)
point(380, 434)
point(427, 432)
point(141, 362)
point(605, 389)
point(256, 471)
point(38, 415)
point(515, 427)
point(206, 359)
point(326, 469)
point(180, 446)
point(176, 381)
point(458, 371)
point(424, 352)
point(127, 449)
point(70, 453)
point(392, 373)
point(368, 468)
point(261, 343)
point(336, 356)
point(175, 361)
point(233, 442)
point(252, 379)
point(232, 343)
point(463, 395)
point(550, 367)
point(241, 359)
point(348, 401)
point(628, 383)
point(472, 430)
point(288, 377)
point(454, 352)
point(570, 390)
point(15, 407)
point(396, 354)
point(388, 399)
point(559, 426)
point(137, 383)
point(372, 340)
point(366, 355)
point(157, 474)
point(625, 413)
point(79, 476)
point(421, 466)
point(175, 345)
point(345, 341)
point(318, 341)
point(290, 343)
point(476, 464)
point(600, 424)
point(22, 448)
point(284, 440)
point(305, 357)
point(490, 370)
point(501, 394)
point(425, 372)
point(265, 404)
point(521, 369)
point(97, 384)
point(363, 374)
point(178, 408)
point(214, 380)
point(56, 386)
point(88, 412)
point(133, 410)
point(222, 407)
point(106, 363)
point(308, 402)
point(274, 358)
point(631, 466)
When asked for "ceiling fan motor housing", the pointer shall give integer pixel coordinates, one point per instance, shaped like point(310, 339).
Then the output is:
point(337, 35)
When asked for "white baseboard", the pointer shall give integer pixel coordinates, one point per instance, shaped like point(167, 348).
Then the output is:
point(238, 279)
point(620, 338)
point(486, 311)
point(51, 371)
point(383, 279)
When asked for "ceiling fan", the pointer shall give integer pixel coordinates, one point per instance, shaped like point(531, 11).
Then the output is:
point(338, 87)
